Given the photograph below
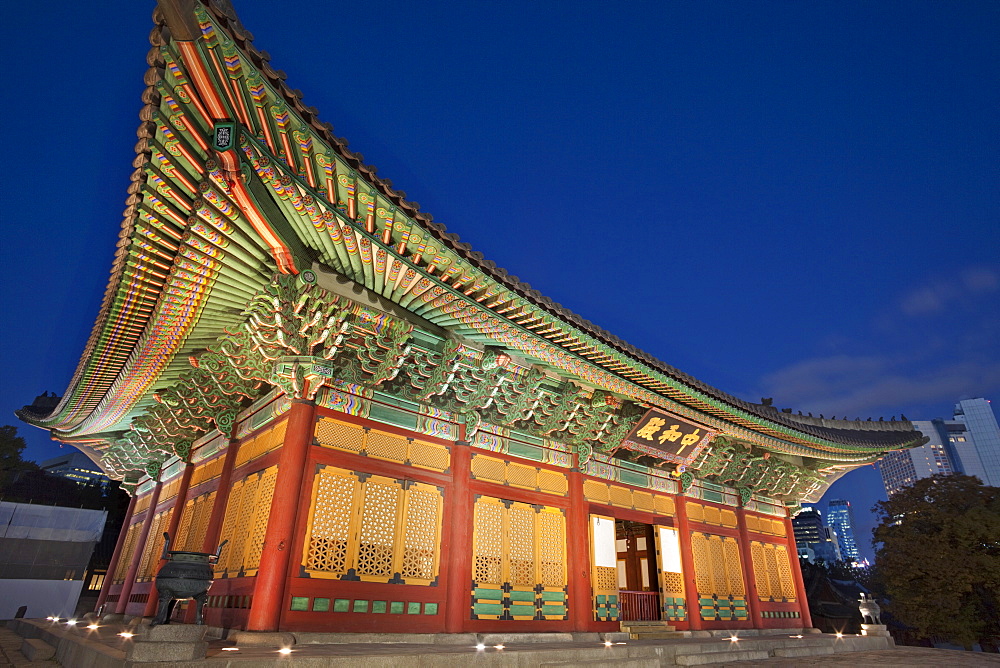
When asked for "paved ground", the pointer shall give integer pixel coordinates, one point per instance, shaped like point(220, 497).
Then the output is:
point(10, 655)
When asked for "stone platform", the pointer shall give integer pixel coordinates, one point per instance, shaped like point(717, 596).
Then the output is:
point(79, 647)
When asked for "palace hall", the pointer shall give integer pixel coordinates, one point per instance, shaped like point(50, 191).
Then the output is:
point(390, 433)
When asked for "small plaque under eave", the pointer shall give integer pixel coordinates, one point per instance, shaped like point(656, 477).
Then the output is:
point(663, 435)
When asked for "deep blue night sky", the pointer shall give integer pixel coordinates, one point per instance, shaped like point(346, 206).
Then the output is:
point(783, 199)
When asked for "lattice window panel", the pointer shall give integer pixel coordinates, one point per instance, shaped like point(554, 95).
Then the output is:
point(552, 481)
point(757, 554)
point(702, 563)
point(605, 578)
point(596, 491)
point(423, 508)
point(520, 546)
point(728, 519)
point(378, 527)
point(429, 456)
point(258, 525)
point(664, 505)
point(330, 517)
point(673, 584)
point(184, 528)
point(334, 434)
point(734, 568)
point(488, 541)
point(552, 548)
point(128, 548)
point(717, 557)
point(154, 546)
point(785, 572)
point(142, 503)
point(229, 527)
point(386, 446)
point(238, 543)
point(261, 444)
point(620, 496)
point(378, 524)
point(169, 490)
point(204, 505)
point(488, 468)
point(696, 512)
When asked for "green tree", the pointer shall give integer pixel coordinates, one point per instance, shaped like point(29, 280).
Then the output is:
point(938, 556)
point(11, 463)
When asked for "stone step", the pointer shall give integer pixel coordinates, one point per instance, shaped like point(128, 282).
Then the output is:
point(34, 649)
point(656, 635)
point(635, 662)
point(807, 650)
point(707, 658)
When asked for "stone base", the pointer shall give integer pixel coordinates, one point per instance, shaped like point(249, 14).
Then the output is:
point(113, 618)
point(874, 630)
point(262, 638)
point(167, 642)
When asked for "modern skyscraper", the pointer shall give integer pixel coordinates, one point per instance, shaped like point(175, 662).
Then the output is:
point(841, 519)
point(813, 539)
point(981, 426)
point(969, 444)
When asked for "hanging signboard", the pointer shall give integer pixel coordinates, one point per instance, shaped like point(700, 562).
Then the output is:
point(664, 435)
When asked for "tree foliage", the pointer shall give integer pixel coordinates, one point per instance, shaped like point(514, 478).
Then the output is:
point(11, 462)
point(938, 555)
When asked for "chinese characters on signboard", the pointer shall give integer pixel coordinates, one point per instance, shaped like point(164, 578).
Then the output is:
point(667, 436)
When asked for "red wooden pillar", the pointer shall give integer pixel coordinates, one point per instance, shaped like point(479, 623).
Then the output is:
point(800, 585)
point(581, 606)
point(140, 547)
point(687, 564)
point(116, 557)
point(214, 528)
point(175, 521)
point(746, 556)
point(272, 576)
point(460, 512)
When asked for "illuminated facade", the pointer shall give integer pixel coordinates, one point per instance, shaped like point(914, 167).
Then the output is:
point(392, 433)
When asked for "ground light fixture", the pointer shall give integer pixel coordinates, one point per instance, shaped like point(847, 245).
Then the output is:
point(230, 649)
point(839, 634)
point(608, 643)
point(733, 638)
point(480, 647)
point(285, 650)
point(497, 646)
point(92, 627)
point(71, 622)
point(126, 634)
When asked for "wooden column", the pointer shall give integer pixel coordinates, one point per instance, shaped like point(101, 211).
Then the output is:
point(581, 606)
point(746, 556)
point(140, 547)
point(800, 585)
point(687, 564)
point(460, 513)
point(175, 520)
point(272, 576)
point(116, 557)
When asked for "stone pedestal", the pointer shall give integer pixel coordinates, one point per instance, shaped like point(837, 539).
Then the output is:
point(169, 642)
point(874, 630)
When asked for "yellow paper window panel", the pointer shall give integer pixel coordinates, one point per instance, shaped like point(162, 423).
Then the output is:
point(169, 490)
point(764, 525)
point(128, 548)
point(142, 503)
point(207, 471)
point(717, 568)
point(623, 497)
point(154, 546)
point(772, 572)
point(245, 524)
point(261, 444)
point(377, 444)
point(518, 544)
point(518, 475)
point(372, 528)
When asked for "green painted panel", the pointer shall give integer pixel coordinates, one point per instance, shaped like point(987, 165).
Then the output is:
point(430, 608)
point(321, 604)
point(522, 610)
point(487, 609)
point(360, 606)
point(527, 451)
point(488, 594)
point(300, 603)
point(397, 607)
point(522, 595)
point(341, 605)
point(548, 610)
point(413, 608)
point(712, 496)
point(707, 602)
point(378, 606)
point(553, 596)
point(630, 478)
point(393, 416)
point(602, 598)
